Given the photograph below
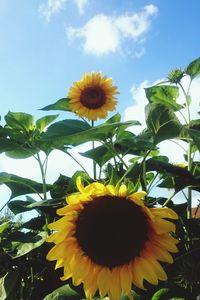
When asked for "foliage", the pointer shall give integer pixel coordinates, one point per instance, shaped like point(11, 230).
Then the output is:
point(121, 156)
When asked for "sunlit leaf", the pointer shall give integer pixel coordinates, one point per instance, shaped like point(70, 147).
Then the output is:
point(61, 104)
point(43, 122)
point(20, 120)
point(4, 226)
point(26, 242)
point(193, 69)
point(164, 94)
point(162, 122)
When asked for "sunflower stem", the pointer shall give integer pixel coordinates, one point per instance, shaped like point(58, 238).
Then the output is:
point(94, 163)
point(189, 152)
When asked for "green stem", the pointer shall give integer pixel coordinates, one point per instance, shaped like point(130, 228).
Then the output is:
point(94, 163)
point(43, 176)
point(189, 152)
point(170, 198)
point(77, 162)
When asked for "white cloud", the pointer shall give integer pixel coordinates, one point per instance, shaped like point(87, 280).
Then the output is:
point(105, 34)
point(50, 8)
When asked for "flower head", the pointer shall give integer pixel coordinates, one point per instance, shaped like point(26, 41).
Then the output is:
point(108, 239)
point(175, 75)
point(93, 96)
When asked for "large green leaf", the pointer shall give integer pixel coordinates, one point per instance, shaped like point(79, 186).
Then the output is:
point(43, 122)
point(7, 283)
point(19, 206)
point(164, 94)
point(193, 69)
point(24, 243)
point(20, 120)
point(61, 104)
point(162, 122)
point(21, 186)
point(62, 293)
point(76, 132)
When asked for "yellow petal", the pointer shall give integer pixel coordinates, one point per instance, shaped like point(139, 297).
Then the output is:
point(145, 271)
point(90, 283)
point(164, 212)
point(138, 197)
point(69, 209)
point(122, 191)
point(160, 272)
point(57, 252)
point(61, 223)
point(161, 254)
point(163, 226)
point(115, 287)
point(111, 189)
point(126, 279)
point(59, 264)
point(79, 184)
point(136, 278)
point(103, 281)
point(166, 242)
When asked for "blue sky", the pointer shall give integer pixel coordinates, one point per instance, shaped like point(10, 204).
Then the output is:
point(45, 45)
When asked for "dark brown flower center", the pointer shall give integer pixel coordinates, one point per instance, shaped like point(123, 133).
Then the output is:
point(111, 230)
point(93, 97)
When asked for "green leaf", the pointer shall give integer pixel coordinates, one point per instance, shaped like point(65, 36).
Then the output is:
point(62, 293)
point(26, 242)
point(4, 226)
point(76, 132)
point(193, 69)
point(21, 186)
point(99, 154)
point(164, 94)
point(43, 122)
point(8, 283)
point(35, 223)
point(19, 206)
point(20, 120)
point(114, 119)
point(15, 150)
point(162, 294)
point(61, 104)
point(195, 135)
point(162, 122)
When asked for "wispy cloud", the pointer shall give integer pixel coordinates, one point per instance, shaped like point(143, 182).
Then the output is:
point(81, 5)
point(52, 7)
point(105, 34)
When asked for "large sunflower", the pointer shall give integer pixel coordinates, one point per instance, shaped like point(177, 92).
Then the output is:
point(108, 239)
point(93, 96)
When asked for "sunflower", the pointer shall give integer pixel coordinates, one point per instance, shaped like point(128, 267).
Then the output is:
point(108, 239)
point(93, 96)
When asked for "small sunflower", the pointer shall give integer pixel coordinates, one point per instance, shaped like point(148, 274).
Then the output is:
point(93, 96)
point(108, 239)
